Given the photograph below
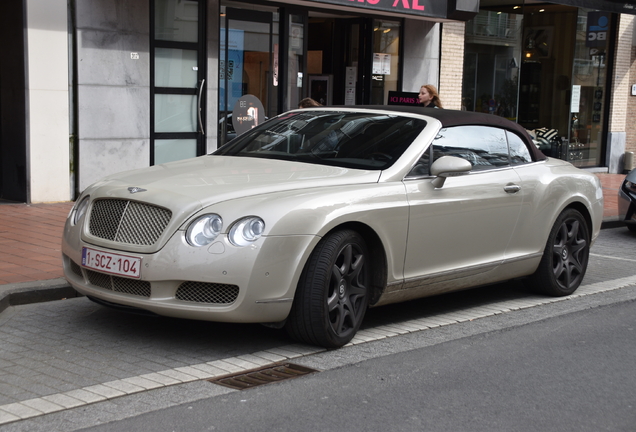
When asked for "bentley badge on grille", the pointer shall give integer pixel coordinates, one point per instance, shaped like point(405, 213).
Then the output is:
point(136, 189)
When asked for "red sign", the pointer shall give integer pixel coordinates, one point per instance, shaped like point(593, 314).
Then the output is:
point(430, 8)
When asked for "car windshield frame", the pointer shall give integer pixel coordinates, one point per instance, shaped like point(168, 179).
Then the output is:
point(350, 139)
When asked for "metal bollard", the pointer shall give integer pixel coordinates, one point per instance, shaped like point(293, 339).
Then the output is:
point(628, 162)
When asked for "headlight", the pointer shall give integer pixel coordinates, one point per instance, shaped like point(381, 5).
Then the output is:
point(631, 186)
point(80, 209)
point(204, 230)
point(246, 231)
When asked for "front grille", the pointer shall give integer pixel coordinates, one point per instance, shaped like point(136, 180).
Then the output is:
point(118, 284)
point(75, 268)
point(201, 292)
point(127, 221)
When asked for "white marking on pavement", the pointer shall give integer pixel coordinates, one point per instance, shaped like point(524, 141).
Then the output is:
point(612, 257)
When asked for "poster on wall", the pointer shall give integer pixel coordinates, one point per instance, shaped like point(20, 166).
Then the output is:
point(248, 113)
point(232, 72)
point(381, 64)
point(351, 75)
point(575, 106)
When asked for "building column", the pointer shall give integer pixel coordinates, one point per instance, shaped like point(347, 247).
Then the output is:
point(47, 126)
point(452, 64)
point(621, 88)
point(630, 141)
point(421, 54)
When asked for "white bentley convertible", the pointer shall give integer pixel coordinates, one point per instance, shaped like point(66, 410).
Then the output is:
point(317, 214)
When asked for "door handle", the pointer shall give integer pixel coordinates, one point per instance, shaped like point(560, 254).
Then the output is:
point(512, 188)
point(199, 106)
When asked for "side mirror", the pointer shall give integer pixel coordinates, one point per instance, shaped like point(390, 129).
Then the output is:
point(447, 166)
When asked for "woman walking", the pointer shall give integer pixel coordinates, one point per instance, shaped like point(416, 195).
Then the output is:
point(428, 97)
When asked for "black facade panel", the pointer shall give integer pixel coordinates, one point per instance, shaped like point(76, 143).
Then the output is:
point(13, 155)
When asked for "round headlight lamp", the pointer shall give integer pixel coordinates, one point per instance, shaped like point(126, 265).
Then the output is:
point(204, 229)
point(246, 231)
point(80, 209)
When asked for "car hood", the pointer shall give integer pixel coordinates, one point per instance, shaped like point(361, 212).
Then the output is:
point(186, 186)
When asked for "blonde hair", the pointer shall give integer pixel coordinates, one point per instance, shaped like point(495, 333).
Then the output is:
point(434, 95)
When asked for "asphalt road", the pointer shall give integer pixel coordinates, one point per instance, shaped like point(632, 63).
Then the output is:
point(566, 365)
point(573, 372)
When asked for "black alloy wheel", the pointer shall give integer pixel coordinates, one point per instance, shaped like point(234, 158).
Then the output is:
point(565, 257)
point(332, 294)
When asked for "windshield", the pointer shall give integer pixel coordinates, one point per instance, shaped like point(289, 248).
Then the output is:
point(346, 139)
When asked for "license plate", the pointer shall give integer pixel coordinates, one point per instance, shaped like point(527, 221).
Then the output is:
point(122, 265)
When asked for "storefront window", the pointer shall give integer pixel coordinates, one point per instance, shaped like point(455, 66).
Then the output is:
point(178, 79)
point(588, 87)
point(491, 63)
point(248, 63)
point(386, 49)
point(543, 66)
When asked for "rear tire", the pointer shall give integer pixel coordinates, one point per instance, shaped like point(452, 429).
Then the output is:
point(565, 256)
point(332, 294)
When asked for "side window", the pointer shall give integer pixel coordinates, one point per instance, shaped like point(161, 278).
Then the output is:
point(484, 147)
point(519, 153)
point(422, 167)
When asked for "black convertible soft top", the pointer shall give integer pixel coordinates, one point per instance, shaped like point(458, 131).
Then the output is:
point(450, 118)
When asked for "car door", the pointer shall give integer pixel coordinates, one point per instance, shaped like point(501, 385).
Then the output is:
point(463, 228)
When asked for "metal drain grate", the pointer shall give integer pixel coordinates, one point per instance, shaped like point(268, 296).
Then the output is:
point(267, 375)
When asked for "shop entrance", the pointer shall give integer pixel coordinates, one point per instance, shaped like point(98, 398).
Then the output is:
point(282, 55)
point(246, 64)
point(178, 71)
point(352, 61)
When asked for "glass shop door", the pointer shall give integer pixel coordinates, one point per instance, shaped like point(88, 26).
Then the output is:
point(248, 64)
point(178, 59)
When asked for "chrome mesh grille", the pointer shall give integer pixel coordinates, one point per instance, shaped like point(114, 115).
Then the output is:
point(119, 284)
point(75, 268)
point(99, 279)
point(201, 292)
point(131, 286)
point(127, 221)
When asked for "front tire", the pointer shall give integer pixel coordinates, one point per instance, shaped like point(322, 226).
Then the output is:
point(332, 294)
point(565, 257)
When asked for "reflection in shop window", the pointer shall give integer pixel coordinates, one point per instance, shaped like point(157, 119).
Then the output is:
point(386, 48)
point(493, 46)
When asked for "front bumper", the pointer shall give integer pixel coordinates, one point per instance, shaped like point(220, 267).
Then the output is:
point(220, 282)
point(627, 205)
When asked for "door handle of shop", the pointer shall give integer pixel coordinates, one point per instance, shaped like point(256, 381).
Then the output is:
point(512, 188)
point(199, 106)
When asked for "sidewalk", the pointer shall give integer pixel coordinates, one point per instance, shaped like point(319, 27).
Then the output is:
point(30, 238)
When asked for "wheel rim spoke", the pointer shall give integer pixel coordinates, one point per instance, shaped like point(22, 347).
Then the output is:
point(347, 254)
point(333, 301)
point(345, 310)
